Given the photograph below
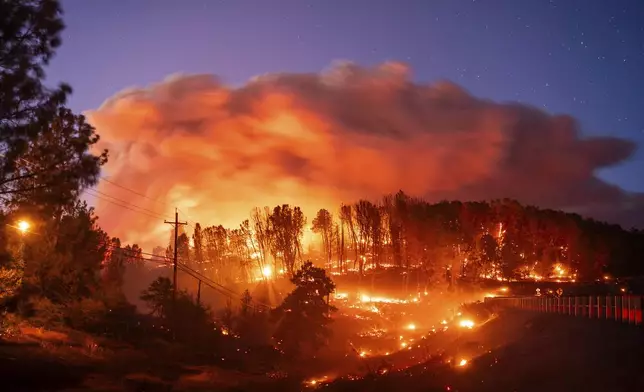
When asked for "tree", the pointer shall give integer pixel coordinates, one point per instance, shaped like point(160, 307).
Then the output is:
point(197, 240)
point(252, 247)
point(286, 230)
point(65, 262)
point(261, 226)
point(246, 303)
point(348, 220)
point(323, 225)
point(56, 166)
point(30, 35)
point(190, 321)
point(114, 270)
point(240, 254)
point(158, 297)
point(45, 161)
point(183, 249)
point(304, 315)
point(133, 255)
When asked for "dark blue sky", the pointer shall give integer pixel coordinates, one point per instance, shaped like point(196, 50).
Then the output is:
point(579, 57)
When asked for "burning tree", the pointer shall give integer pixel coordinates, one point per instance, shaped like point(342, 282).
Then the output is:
point(305, 314)
point(286, 230)
point(323, 225)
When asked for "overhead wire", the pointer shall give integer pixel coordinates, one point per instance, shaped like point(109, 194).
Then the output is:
point(195, 274)
point(96, 193)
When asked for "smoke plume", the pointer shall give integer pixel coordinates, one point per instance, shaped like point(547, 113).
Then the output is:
point(350, 132)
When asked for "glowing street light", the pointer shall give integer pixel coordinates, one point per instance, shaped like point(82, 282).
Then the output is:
point(23, 226)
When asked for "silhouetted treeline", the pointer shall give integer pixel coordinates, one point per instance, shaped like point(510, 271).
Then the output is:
point(499, 239)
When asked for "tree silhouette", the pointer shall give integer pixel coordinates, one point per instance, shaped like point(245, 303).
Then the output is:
point(323, 225)
point(30, 35)
point(197, 239)
point(46, 160)
point(64, 263)
point(158, 297)
point(304, 315)
point(286, 230)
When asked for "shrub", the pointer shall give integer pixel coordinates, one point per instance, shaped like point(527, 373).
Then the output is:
point(87, 314)
point(44, 313)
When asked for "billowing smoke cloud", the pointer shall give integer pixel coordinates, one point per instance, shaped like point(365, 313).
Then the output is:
point(350, 132)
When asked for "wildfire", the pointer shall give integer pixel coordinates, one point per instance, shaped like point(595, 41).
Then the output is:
point(267, 271)
point(469, 324)
point(462, 362)
point(411, 327)
point(339, 295)
point(367, 298)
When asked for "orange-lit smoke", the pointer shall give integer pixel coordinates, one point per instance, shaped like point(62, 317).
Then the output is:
point(315, 140)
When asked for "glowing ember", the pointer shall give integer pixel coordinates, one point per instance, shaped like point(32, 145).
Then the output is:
point(462, 362)
point(403, 344)
point(489, 295)
point(411, 327)
point(503, 289)
point(466, 324)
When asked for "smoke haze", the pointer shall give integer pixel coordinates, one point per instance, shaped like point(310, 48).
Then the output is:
point(350, 132)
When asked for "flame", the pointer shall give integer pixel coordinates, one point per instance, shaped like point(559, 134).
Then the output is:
point(469, 324)
point(267, 271)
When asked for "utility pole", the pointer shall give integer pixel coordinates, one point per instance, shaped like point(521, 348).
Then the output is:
point(175, 224)
point(199, 293)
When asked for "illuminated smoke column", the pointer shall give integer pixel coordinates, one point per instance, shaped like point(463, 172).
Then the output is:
point(315, 140)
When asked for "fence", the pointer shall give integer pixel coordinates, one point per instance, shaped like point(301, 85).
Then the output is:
point(623, 308)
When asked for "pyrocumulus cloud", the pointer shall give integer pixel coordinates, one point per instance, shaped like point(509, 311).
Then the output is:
point(349, 132)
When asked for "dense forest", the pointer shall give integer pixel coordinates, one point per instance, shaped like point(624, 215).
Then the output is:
point(501, 239)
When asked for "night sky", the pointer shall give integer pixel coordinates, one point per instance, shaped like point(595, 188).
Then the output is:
point(580, 57)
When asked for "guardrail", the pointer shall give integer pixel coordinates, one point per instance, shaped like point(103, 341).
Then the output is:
point(623, 308)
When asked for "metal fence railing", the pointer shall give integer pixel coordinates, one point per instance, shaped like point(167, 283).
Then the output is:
point(622, 308)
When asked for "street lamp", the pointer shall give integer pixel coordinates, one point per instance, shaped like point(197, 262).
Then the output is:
point(23, 226)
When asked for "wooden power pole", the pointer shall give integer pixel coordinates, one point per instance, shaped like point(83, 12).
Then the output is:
point(175, 224)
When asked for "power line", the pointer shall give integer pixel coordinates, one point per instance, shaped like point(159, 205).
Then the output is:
point(135, 192)
point(124, 206)
point(144, 211)
point(124, 202)
point(132, 190)
point(191, 272)
point(175, 224)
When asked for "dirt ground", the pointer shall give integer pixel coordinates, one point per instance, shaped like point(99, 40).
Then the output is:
point(516, 351)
